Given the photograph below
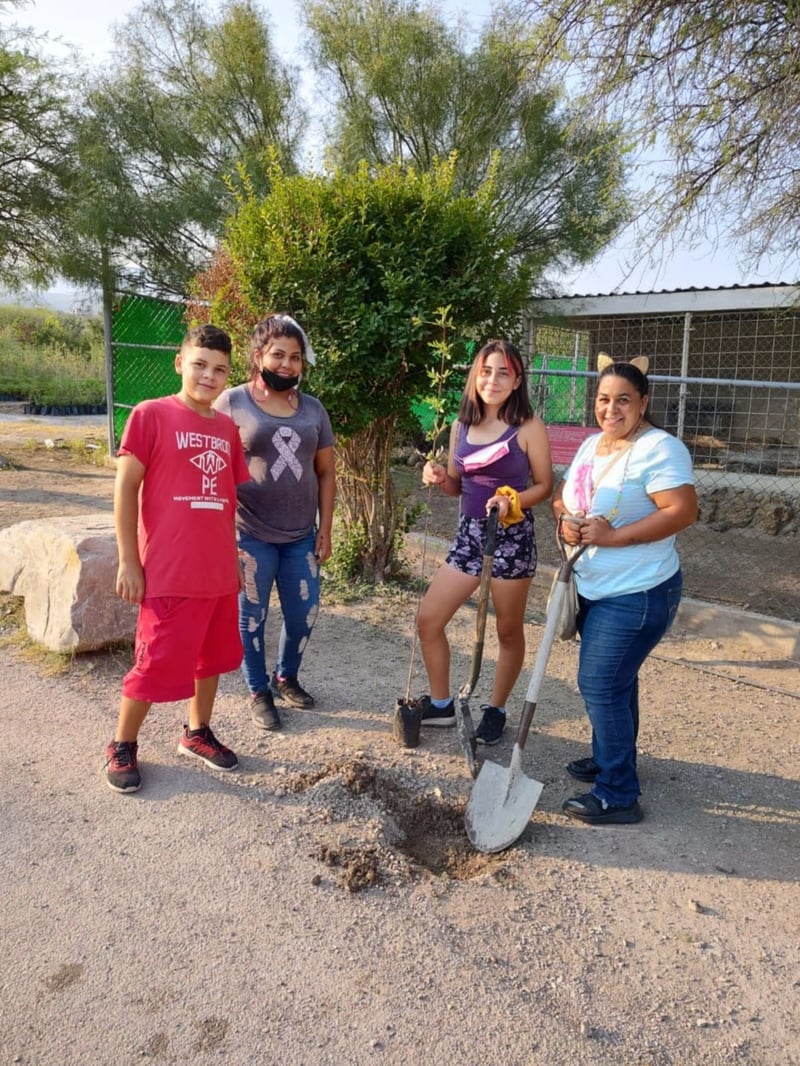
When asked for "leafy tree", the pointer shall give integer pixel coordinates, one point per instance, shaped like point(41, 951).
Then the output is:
point(32, 111)
point(718, 84)
point(407, 88)
point(188, 96)
point(366, 260)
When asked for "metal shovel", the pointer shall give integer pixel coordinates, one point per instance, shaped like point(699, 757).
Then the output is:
point(464, 724)
point(502, 801)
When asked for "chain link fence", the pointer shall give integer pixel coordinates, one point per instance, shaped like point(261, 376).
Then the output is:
point(728, 385)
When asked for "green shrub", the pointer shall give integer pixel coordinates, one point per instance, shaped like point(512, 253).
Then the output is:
point(50, 358)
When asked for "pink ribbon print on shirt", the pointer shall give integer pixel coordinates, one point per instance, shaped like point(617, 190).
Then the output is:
point(582, 487)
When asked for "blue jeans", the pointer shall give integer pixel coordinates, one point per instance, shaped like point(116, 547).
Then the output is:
point(617, 635)
point(295, 570)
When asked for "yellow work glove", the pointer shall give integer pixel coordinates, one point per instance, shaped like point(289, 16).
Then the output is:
point(514, 511)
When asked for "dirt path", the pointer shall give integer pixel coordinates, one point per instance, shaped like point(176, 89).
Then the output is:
point(322, 904)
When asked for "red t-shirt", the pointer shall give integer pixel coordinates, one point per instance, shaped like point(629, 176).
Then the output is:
point(187, 500)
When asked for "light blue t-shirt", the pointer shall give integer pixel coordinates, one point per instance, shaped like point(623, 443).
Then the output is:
point(657, 461)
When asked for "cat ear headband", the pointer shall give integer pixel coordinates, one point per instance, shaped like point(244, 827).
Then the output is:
point(641, 362)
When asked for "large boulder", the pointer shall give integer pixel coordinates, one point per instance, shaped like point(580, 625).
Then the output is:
point(65, 569)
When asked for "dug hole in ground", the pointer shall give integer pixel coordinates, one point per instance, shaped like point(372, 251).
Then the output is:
point(322, 904)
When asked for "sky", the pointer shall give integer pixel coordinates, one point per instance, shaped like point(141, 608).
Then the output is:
point(88, 24)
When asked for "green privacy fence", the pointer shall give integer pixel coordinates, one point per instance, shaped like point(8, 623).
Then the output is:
point(559, 400)
point(146, 333)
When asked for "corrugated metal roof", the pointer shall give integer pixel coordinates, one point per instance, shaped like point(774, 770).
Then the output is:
point(661, 292)
point(783, 294)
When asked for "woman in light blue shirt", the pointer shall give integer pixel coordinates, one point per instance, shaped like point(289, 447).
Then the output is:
point(627, 493)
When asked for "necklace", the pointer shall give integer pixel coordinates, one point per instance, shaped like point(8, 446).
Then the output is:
point(628, 452)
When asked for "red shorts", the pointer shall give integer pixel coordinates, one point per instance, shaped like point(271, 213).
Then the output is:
point(180, 640)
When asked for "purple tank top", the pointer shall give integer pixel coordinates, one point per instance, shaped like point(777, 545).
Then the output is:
point(480, 485)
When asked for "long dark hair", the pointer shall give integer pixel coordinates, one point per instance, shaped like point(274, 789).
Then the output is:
point(267, 329)
point(635, 378)
point(517, 408)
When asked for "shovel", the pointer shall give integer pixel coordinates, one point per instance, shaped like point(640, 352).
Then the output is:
point(502, 801)
point(464, 724)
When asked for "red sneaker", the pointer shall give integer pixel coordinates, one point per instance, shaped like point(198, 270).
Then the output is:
point(204, 745)
point(122, 772)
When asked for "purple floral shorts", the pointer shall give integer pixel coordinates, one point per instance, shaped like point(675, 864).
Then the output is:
point(514, 554)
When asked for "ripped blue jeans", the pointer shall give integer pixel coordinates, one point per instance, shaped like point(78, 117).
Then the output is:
point(295, 570)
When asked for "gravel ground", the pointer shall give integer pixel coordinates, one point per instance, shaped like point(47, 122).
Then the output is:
point(322, 904)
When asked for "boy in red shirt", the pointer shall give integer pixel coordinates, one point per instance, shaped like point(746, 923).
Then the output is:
point(174, 507)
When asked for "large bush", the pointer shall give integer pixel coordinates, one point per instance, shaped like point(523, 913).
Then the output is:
point(366, 261)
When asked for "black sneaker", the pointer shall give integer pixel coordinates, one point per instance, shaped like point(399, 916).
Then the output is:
point(436, 716)
point(595, 811)
point(264, 712)
point(491, 726)
point(203, 745)
point(583, 769)
point(122, 772)
point(288, 689)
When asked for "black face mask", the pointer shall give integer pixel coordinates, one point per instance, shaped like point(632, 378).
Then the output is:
point(276, 382)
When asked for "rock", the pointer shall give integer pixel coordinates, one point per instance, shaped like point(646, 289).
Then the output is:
point(65, 569)
point(736, 508)
point(773, 513)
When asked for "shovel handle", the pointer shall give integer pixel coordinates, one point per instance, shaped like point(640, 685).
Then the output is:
point(483, 600)
point(568, 560)
point(568, 557)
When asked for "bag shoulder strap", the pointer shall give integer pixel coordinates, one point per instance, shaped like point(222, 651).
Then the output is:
point(617, 456)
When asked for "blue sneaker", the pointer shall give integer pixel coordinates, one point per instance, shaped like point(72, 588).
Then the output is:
point(491, 726)
point(436, 716)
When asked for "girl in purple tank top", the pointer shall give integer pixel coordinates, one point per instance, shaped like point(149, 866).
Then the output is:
point(499, 457)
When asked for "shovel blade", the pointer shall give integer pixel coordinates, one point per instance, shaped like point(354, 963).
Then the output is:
point(466, 734)
point(501, 804)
